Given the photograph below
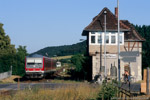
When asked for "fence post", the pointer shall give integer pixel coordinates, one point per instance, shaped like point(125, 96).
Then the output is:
point(147, 86)
point(11, 69)
point(18, 83)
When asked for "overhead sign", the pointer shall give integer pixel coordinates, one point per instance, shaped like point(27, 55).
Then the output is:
point(129, 53)
point(129, 59)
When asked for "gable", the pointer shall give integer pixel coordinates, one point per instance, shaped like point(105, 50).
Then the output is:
point(112, 25)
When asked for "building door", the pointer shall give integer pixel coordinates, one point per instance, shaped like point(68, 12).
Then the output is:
point(127, 68)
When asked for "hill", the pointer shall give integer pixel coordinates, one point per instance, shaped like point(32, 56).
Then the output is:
point(78, 48)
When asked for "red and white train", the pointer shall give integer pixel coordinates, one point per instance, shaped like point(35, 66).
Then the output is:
point(37, 66)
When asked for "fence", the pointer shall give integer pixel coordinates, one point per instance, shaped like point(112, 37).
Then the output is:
point(6, 74)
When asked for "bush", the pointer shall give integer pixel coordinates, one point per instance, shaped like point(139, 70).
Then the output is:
point(82, 67)
point(107, 91)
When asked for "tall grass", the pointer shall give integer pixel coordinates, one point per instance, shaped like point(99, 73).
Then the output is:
point(81, 92)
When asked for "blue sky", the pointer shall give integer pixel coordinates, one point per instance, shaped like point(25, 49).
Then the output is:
point(41, 23)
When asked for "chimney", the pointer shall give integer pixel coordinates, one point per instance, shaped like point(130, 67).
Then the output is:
point(116, 12)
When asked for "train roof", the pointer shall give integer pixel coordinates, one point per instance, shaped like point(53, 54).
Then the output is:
point(36, 56)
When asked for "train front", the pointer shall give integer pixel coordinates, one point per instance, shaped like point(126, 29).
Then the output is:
point(34, 67)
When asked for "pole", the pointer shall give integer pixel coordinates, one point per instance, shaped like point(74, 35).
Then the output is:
point(11, 69)
point(18, 83)
point(105, 12)
point(147, 88)
point(118, 42)
point(129, 77)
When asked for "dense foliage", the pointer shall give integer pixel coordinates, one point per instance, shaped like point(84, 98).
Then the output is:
point(78, 48)
point(5, 46)
point(145, 32)
point(19, 61)
point(7, 50)
point(9, 56)
point(82, 67)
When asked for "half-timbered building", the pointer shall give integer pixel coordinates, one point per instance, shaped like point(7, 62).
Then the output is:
point(130, 41)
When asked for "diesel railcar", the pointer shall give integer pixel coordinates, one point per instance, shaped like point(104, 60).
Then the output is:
point(38, 66)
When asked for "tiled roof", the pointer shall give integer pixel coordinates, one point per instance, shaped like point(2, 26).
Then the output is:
point(112, 25)
point(132, 35)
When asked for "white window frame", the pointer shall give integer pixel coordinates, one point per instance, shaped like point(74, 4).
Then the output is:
point(113, 34)
point(108, 34)
point(99, 34)
point(90, 38)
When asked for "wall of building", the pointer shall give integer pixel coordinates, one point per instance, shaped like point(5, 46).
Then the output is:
point(112, 59)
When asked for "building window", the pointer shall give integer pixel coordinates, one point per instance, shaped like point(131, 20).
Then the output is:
point(107, 39)
point(100, 39)
point(92, 39)
point(120, 38)
point(113, 39)
point(97, 38)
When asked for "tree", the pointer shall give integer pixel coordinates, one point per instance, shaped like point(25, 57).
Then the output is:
point(5, 46)
point(82, 67)
point(19, 61)
point(78, 48)
point(9, 56)
point(78, 60)
point(145, 32)
point(7, 50)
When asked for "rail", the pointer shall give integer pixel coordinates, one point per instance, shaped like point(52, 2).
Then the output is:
point(128, 90)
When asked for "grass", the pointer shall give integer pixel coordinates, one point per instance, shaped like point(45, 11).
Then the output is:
point(65, 81)
point(10, 79)
point(81, 92)
point(62, 57)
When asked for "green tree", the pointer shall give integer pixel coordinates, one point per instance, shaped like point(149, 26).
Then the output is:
point(78, 48)
point(7, 50)
point(19, 61)
point(145, 32)
point(9, 56)
point(78, 60)
point(6, 62)
point(5, 45)
point(82, 67)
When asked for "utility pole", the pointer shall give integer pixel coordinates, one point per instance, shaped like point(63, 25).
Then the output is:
point(105, 12)
point(118, 43)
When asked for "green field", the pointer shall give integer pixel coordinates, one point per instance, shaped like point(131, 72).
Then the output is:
point(62, 57)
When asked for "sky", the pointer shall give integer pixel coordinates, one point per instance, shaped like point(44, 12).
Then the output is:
point(37, 24)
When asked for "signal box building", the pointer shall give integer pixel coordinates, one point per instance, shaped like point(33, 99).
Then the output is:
point(130, 41)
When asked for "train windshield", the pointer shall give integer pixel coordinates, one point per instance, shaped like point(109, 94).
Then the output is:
point(34, 63)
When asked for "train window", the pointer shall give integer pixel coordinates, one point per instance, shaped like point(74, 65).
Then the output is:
point(34, 65)
point(30, 60)
point(38, 60)
point(30, 63)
